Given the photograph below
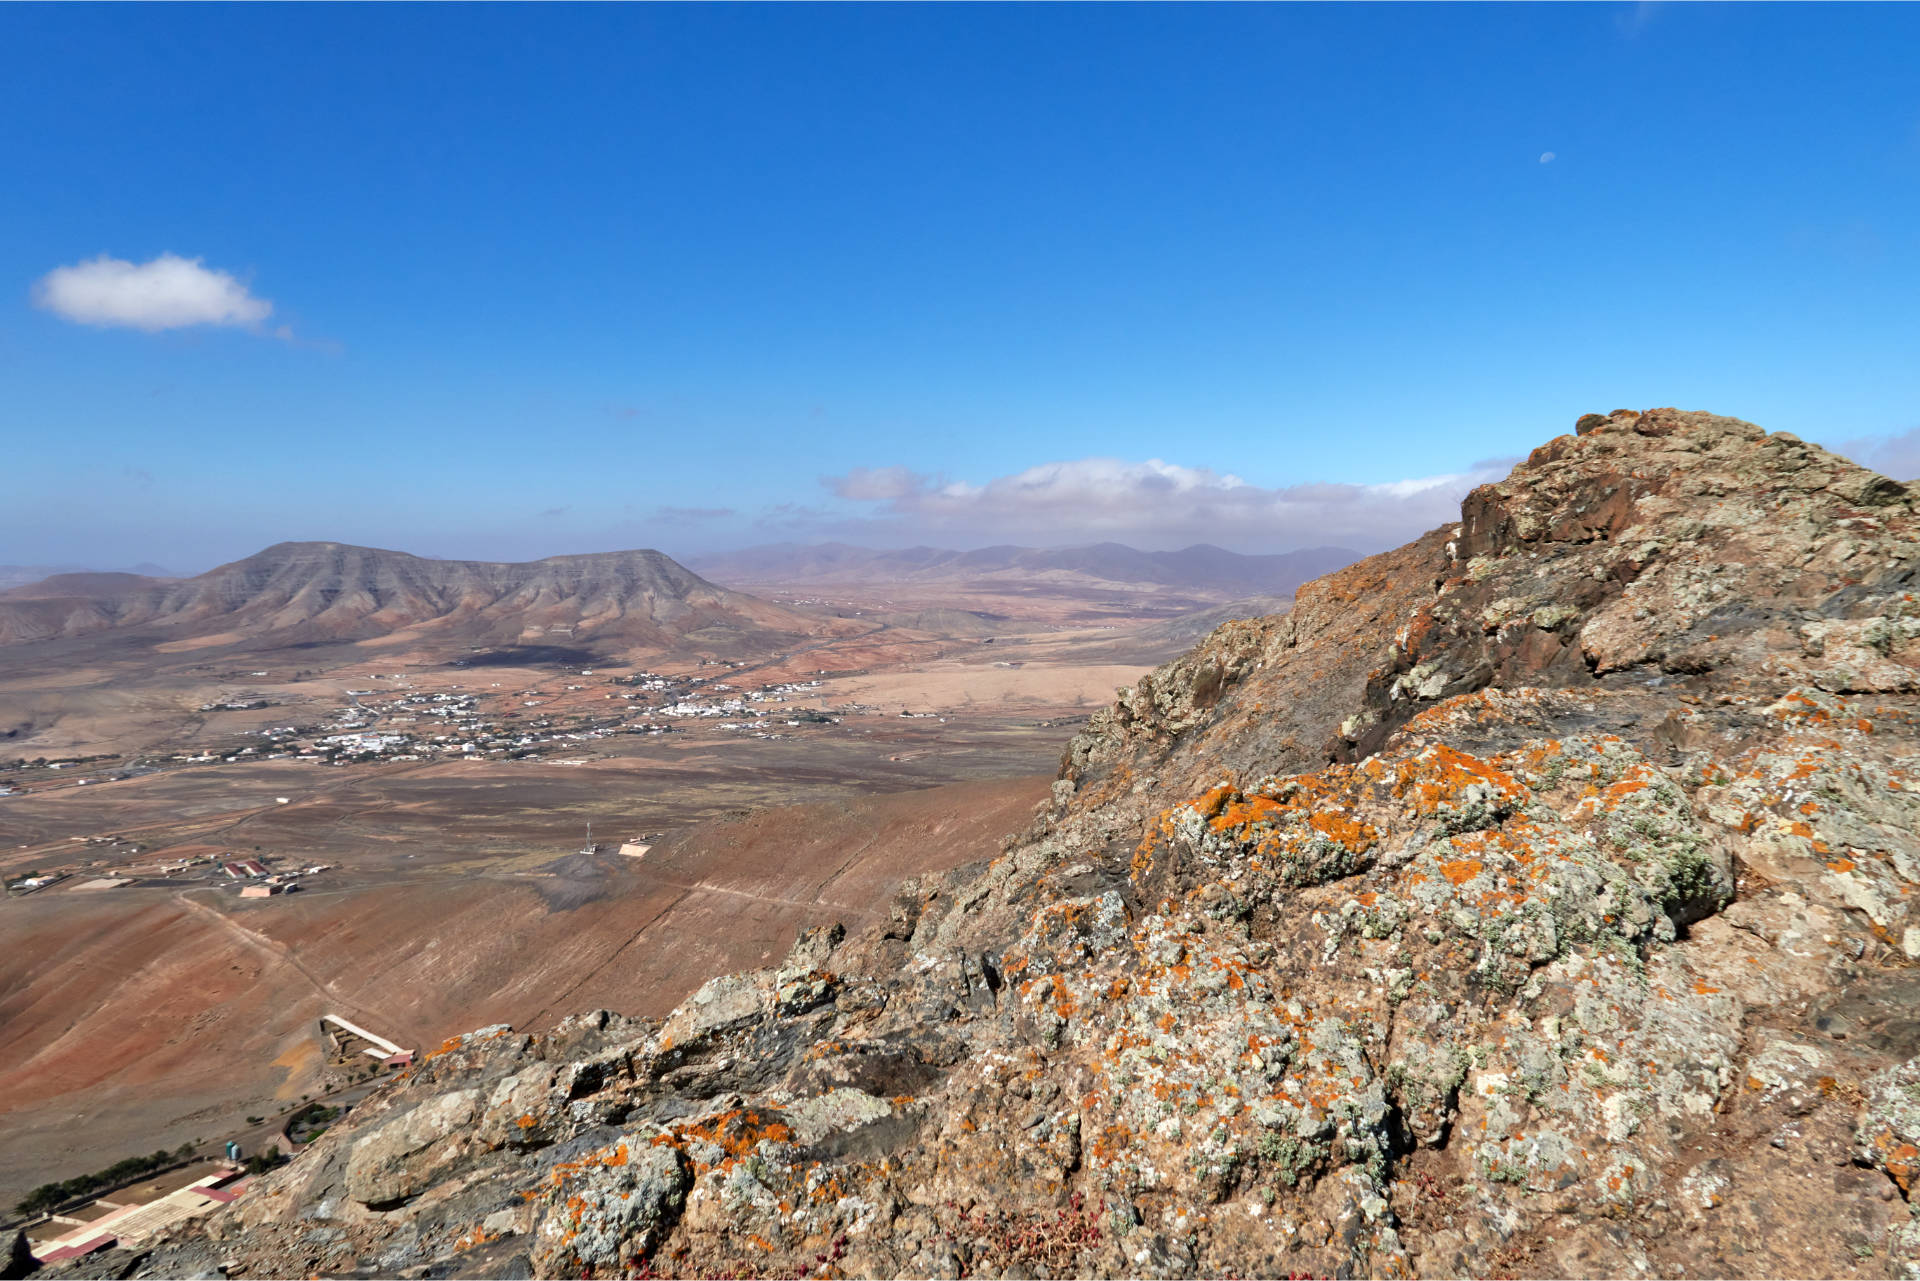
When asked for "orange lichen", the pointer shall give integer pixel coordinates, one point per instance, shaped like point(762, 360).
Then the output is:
point(1211, 803)
point(736, 1132)
point(1898, 1157)
point(1437, 777)
point(1350, 832)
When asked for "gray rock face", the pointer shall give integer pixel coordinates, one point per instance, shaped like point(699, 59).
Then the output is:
point(402, 1156)
point(1536, 899)
point(724, 1004)
point(613, 1212)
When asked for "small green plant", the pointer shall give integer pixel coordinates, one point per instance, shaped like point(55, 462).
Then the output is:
point(261, 1162)
point(1501, 1172)
point(1290, 1157)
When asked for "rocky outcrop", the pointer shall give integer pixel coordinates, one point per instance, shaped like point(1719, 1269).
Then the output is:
point(1534, 900)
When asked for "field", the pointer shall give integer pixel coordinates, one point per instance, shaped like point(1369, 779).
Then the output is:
point(457, 892)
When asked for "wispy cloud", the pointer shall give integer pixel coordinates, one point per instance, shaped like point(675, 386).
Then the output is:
point(876, 484)
point(1157, 502)
point(1632, 19)
point(684, 514)
point(168, 292)
point(796, 518)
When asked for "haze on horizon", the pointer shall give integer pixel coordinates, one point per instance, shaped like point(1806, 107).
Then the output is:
point(501, 283)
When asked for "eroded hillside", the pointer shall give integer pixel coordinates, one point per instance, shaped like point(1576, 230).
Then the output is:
point(294, 593)
point(1536, 899)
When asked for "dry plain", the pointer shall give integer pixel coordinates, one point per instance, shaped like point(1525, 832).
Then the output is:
point(912, 734)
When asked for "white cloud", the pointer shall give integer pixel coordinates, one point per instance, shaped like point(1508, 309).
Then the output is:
point(169, 292)
point(875, 484)
point(1157, 502)
point(1546, 157)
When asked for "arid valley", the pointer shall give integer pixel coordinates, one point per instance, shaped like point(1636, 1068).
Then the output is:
point(417, 780)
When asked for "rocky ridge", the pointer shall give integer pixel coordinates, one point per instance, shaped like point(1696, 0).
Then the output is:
point(1536, 899)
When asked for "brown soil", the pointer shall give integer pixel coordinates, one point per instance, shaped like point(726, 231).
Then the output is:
point(144, 1018)
point(170, 1009)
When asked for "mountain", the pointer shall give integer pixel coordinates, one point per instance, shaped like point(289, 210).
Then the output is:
point(1201, 567)
point(1540, 898)
point(303, 592)
point(20, 575)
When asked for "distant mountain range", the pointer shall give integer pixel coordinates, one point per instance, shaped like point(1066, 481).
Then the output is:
point(305, 592)
point(308, 593)
point(1200, 568)
point(21, 575)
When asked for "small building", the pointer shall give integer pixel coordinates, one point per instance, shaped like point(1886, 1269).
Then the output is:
point(131, 1223)
point(260, 891)
point(635, 849)
point(242, 868)
point(78, 1249)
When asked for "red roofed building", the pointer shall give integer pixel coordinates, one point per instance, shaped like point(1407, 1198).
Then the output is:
point(88, 1246)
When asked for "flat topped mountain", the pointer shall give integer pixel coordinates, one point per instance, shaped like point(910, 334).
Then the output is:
point(21, 575)
point(1541, 898)
point(317, 591)
point(1201, 568)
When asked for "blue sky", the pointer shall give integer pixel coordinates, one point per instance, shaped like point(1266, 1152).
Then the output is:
point(547, 279)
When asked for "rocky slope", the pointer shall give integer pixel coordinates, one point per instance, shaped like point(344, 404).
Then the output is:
point(301, 592)
point(1537, 899)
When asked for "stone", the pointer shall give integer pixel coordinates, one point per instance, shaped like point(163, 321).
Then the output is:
point(401, 1157)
